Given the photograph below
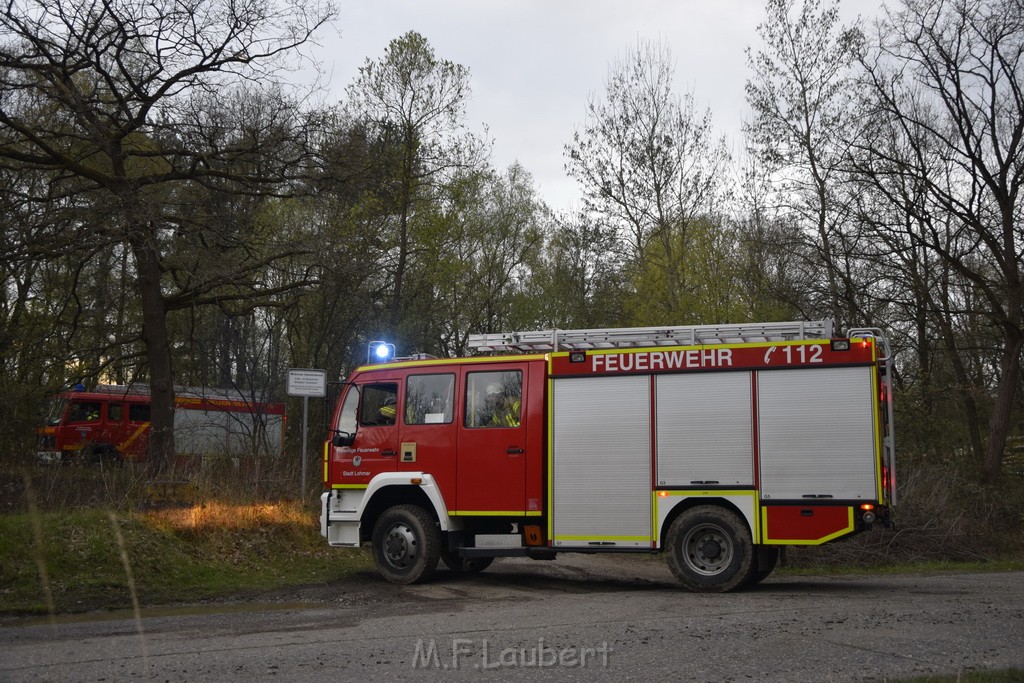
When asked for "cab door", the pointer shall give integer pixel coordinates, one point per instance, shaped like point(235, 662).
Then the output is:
point(492, 440)
point(428, 428)
point(370, 411)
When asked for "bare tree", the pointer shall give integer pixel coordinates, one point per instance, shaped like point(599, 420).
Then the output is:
point(127, 103)
point(932, 316)
point(649, 163)
point(800, 96)
point(945, 97)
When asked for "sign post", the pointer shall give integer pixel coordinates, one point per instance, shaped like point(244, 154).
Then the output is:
point(306, 383)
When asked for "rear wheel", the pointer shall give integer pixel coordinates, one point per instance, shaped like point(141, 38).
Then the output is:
point(710, 550)
point(766, 556)
point(465, 565)
point(406, 544)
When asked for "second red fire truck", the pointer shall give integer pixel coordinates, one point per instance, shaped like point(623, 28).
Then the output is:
point(111, 423)
point(715, 445)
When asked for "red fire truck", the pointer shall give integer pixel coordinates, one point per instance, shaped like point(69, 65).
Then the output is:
point(111, 423)
point(715, 445)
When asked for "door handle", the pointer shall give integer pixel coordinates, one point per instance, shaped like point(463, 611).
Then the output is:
point(515, 451)
point(389, 452)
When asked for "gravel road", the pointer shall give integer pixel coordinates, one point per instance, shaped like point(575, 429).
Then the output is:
point(601, 618)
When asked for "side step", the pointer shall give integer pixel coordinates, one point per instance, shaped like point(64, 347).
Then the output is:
point(532, 553)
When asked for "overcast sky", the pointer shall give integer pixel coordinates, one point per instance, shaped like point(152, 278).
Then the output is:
point(534, 63)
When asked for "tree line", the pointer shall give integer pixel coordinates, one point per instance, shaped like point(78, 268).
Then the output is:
point(177, 212)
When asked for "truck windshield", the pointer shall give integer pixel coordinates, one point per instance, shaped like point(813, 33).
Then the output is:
point(54, 412)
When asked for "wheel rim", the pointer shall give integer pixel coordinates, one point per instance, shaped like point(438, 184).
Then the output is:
point(400, 546)
point(707, 549)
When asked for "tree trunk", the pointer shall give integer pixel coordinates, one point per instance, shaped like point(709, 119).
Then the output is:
point(971, 413)
point(826, 245)
point(999, 427)
point(397, 307)
point(158, 351)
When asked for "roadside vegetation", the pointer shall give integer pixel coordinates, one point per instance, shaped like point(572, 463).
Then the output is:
point(945, 518)
point(58, 559)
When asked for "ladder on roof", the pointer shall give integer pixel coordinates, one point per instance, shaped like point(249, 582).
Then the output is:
point(632, 337)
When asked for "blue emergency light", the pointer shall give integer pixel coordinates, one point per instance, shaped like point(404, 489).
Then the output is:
point(380, 352)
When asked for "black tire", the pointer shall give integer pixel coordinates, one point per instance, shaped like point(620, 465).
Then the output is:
point(406, 544)
point(97, 454)
point(465, 565)
point(766, 556)
point(710, 550)
point(105, 455)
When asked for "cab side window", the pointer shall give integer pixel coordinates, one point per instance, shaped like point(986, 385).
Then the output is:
point(429, 399)
point(138, 412)
point(494, 399)
point(380, 405)
point(84, 411)
point(114, 412)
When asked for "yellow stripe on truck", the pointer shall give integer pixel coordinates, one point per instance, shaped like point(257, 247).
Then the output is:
point(131, 439)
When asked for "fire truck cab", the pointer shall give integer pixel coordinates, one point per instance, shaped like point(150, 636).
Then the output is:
point(715, 445)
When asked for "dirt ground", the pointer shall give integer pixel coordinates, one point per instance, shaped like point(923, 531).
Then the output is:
point(579, 617)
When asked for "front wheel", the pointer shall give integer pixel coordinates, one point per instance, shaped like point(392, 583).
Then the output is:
point(710, 550)
point(406, 544)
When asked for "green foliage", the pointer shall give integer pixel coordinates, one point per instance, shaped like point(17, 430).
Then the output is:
point(578, 281)
point(479, 253)
point(703, 260)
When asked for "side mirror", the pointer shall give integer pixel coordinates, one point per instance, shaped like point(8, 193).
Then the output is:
point(342, 439)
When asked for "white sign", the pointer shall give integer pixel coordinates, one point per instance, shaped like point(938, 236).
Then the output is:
point(306, 383)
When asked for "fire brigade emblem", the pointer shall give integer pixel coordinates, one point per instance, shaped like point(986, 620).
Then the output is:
point(357, 461)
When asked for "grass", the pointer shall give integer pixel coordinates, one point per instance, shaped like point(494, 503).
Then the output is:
point(85, 559)
point(1001, 676)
